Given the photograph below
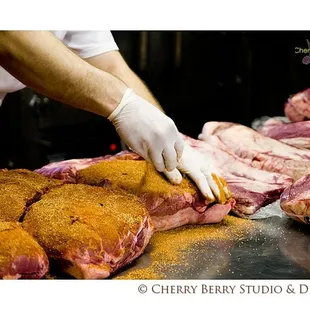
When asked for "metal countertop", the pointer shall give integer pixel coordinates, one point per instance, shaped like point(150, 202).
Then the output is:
point(279, 249)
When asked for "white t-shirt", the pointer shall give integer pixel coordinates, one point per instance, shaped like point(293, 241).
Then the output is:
point(85, 43)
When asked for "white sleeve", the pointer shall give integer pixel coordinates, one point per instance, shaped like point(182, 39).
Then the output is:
point(90, 43)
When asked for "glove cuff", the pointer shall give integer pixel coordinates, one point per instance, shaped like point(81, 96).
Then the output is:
point(121, 105)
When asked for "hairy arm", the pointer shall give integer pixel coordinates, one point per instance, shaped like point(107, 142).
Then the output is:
point(114, 63)
point(42, 62)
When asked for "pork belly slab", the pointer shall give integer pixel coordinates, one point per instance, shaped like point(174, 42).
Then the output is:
point(251, 188)
point(295, 200)
point(257, 150)
point(170, 206)
point(18, 189)
point(89, 231)
point(20, 255)
point(297, 108)
point(294, 134)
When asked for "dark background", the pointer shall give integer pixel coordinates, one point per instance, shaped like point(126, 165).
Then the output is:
point(197, 76)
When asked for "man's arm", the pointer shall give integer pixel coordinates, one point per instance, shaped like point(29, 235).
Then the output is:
point(191, 163)
point(114, 63)
point(39, 60)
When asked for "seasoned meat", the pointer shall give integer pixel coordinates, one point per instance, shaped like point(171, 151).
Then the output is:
point(90, 231)
point(20, 255)
point(18, 189)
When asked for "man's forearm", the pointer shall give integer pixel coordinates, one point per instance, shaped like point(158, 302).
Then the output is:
point(114, 63)
point(40, 61)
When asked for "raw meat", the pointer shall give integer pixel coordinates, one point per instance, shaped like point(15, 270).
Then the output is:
point(67, 170)
point(297, 108)
point(170, 206)
point(295, 200)
point(18, 189)
point(263, 121)
point(20, 255)
point(251, 188)
point(273, 121)
point(256, 150)
point(90, 231)
point(294, 134)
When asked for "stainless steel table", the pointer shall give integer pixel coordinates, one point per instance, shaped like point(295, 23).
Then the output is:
point(279, 249)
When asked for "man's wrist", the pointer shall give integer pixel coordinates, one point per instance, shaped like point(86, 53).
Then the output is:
point(121, 105)
point(106, 92)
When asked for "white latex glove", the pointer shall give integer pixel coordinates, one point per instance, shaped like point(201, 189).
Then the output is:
point(202, 171)
point(148, 131)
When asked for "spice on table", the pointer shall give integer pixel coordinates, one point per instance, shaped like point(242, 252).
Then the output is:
point(170, 249)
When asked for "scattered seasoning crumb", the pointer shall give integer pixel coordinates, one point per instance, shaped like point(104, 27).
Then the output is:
point(49, 276)
point(170, 249)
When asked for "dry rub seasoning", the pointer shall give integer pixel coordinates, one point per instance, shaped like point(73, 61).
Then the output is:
point(171, 249)
point(18, 189)
point(73, 220)
point(135, 176)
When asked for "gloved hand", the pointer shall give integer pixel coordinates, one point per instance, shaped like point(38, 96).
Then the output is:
point(148, 131)
point(202, 171)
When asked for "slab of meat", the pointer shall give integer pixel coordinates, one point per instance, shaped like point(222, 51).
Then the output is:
point(294, 134)
point(90, 231)
point(297, 108)
point(251, 188)
point(295, 200)
point(66, 170)
point(170, 206)
point(256, 150)
point(20, 255)
point(18, 189)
